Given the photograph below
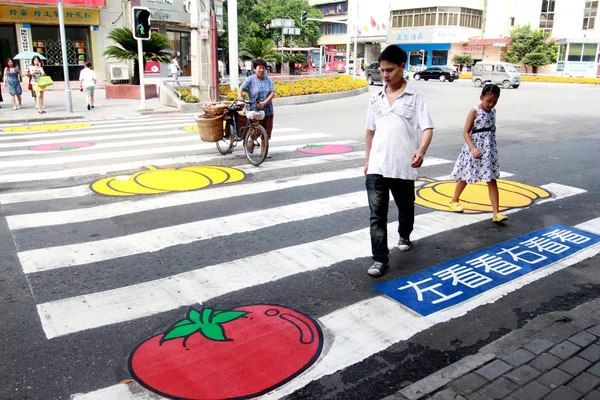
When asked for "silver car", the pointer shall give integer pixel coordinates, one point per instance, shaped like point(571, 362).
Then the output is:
point(373, 74)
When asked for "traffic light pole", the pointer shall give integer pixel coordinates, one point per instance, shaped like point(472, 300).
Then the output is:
point(141, 73)
point(63, 47)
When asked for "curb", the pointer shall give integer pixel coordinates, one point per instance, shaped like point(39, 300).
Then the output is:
point(556, 326)
point(315, 98)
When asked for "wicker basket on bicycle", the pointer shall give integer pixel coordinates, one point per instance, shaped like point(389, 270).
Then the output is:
point(215, 109)
point(210, 128)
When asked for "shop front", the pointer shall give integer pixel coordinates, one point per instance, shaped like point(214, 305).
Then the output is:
point(579, 57)
point(171, 19)
point(35, 28)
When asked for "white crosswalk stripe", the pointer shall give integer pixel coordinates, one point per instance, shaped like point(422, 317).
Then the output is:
point(41, 220)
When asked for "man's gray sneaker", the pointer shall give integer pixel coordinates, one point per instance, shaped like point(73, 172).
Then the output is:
point(378, 269)
point(404, 244)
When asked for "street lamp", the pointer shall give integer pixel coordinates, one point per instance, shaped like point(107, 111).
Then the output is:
point(63, 47)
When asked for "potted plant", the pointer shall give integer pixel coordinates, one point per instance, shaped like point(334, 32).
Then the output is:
point(126, 48)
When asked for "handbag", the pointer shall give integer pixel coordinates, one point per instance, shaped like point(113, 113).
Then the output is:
point(44, 81)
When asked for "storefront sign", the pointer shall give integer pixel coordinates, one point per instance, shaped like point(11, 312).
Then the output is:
point(475, 51)
point(85, 3)
point(560, 66)
point(427, 35)
point(152, 68)
point(167, 10)
point(25, 42)
point(48, 15)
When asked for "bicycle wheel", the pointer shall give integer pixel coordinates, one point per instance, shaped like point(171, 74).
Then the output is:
point(225, 145)
point(256, 144)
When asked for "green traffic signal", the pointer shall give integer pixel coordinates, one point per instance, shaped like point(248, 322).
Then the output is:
point(303, 16)
point(141, 21)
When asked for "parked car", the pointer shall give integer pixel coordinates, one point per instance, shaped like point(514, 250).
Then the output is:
point(441, 73)
point(496, 72)
point(373, 73)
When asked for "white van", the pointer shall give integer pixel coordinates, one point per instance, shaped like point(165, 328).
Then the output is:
point(500, 73)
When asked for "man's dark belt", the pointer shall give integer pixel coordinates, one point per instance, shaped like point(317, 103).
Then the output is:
point(486, 129)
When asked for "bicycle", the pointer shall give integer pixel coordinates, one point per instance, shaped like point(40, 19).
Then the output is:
point(253, 135)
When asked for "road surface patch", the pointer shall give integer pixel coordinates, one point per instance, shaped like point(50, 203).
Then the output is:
point(456, 281)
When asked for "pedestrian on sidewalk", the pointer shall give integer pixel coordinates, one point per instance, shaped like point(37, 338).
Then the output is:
point(12, 80)
point(174, 69)
point(87, 84)
point(478, 159)
point(34, 72)
point(396, 117)
point(248, 65)
point(260, 91)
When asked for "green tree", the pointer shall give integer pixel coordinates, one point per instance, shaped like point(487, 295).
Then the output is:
point(528, 41)
point(536, 60)
point(254, 21)
point(291, 60)
point(154, 49)
point(461, 60)
point(254, 48)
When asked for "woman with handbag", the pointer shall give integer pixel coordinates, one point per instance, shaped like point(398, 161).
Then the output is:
point(12, 81)
point(36, 72)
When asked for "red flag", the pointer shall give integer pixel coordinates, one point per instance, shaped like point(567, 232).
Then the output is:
point(383, 26)
point(373, 23)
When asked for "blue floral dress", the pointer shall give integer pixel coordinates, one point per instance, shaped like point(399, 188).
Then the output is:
point(12, 82)
point(483, 135)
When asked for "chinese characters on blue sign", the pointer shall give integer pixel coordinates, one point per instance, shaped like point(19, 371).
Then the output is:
point(455, 281)
point(409, 37)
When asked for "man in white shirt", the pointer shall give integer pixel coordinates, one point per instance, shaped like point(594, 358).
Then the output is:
point(399, 131)
point(87, 82)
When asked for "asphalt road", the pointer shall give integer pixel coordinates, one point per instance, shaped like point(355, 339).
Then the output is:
point(70, 316)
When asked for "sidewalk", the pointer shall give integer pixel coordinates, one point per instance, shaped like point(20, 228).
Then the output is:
point(556, 356)
point(54, 101)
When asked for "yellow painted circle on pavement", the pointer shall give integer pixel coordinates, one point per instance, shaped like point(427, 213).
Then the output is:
point(475, 197)
point(155, 181)
point(191, 128)
point(172, 180)
point(45, 127)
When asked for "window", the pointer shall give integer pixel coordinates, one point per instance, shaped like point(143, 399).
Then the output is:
point(333, 29)
point(547, 15)
point(512, 21)
point(575, 50)
point(589, 52)
point(499, 68)
point(589, 14)
point(562, 52)
point(432, 16)
point(488, 68)
point(334, 9)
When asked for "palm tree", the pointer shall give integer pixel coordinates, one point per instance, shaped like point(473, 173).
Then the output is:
point(154, 49)
point(255, 48)
point(291, 60)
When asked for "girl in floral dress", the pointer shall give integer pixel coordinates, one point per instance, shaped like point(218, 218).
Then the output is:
point(478, 159)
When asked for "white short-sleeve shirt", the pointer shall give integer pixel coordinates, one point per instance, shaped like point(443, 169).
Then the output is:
point(87, 77)
point(398, 130)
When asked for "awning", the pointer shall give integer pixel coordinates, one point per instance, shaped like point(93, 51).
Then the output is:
point(321, 2)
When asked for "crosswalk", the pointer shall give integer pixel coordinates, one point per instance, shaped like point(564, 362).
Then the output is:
point(98, 263)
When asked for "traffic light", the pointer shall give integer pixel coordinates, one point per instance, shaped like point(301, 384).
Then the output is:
point(303, 18)
point(141, 23)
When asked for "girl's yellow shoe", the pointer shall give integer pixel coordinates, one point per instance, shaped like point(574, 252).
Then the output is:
point(456, 207)
point(499, 218)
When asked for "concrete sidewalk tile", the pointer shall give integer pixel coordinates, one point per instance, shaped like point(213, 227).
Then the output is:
point(538, 346)
point(447, 394)
point(592, 353)
point(545, 362)
point(582, 339)
point(519, 357)
point(574, 366)
point(595, 369)
point(554, 378)
point(584, 383)
point(564, 393)
point(469, 383)
point(494, 369)
point(532, 391)
point(594, 330)
point(595, 395)
point(499, 388)
point(565, 349)
point(523, 374)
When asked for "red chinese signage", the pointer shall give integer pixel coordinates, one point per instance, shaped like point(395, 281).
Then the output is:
point(85, 3)
point(472, 49)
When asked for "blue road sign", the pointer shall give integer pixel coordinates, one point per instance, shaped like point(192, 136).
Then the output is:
point(455, 281)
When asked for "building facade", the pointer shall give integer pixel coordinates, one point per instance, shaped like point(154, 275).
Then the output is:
point(434, 31)
point(34, 26)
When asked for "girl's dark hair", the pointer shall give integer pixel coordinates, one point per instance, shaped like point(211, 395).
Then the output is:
point(491, 88)
point(39, 59)
point(9, 59)
point(393, 54)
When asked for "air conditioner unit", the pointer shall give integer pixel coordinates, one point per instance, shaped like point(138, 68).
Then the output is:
point(119, 72)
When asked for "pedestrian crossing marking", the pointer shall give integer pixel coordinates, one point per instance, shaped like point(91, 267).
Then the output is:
point(437, 195)
point(50, 127)
point(156, 181)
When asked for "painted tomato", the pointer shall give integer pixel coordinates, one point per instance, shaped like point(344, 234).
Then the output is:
point(325, 149)
point(241, 353)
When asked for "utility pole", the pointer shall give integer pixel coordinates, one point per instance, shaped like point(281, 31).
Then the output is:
point(355, 41)
point(63, 47)
point(232, 28)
